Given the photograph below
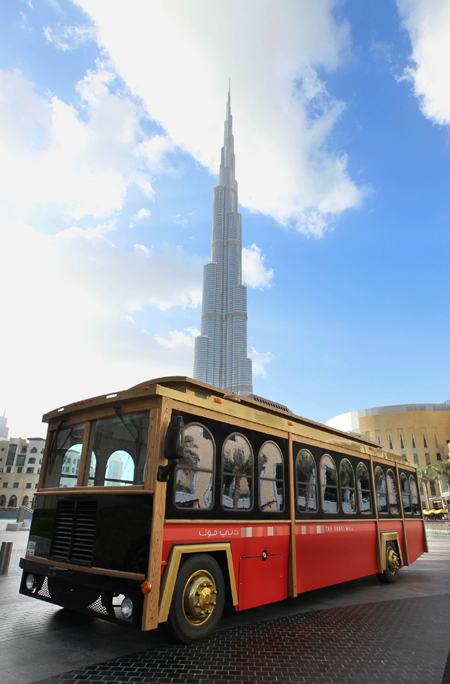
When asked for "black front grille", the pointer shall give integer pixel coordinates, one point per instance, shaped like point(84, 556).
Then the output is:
point(74, 533)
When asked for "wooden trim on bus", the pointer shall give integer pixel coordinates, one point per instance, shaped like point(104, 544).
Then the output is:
point(171, 572)
point(82, 568)
point(94, 413)
point(83, 457)
point(385, 537)
point(127, 489)
point(180, 405)
point(44, 460)
point(375, 508)
point(156, 455)
point(292, 546)
point(261, 523)
point(402, 510)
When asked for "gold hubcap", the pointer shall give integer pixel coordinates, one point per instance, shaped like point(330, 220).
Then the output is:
point(199, 597)
point(393, 561)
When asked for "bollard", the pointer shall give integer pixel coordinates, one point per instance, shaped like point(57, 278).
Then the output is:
point(5, 557)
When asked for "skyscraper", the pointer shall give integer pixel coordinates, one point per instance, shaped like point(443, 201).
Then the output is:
point(221, 349)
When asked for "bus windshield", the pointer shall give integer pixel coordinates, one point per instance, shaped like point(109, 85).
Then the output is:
point(115, 456)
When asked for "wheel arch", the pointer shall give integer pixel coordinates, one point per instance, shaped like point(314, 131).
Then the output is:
point(220, 551)
point(389, 537)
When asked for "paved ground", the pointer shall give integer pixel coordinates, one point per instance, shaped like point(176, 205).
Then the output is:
point(358, 632)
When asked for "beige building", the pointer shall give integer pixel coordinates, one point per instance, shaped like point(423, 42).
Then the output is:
point(421, 433)
point(20, 465)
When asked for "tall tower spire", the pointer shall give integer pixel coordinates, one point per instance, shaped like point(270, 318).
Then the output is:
point(221, 350)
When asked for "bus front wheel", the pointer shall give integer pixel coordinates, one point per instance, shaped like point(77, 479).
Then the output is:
point(392, 565)
point(198, 599)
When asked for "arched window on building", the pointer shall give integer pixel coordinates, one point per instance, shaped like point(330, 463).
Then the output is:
point(415, 454)
point(12, 503)
point(26, 501)
point(2, 500)
point(402, 446)
point(391, 448)
point(427, 453)
point(436, 446)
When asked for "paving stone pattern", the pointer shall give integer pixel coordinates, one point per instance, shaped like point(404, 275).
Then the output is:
point(398, 642)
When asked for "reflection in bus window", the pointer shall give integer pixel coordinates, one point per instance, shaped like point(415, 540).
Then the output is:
point(64, 456)
point(271, 484)
point(237, 471)
point(380, 487)
point(119, 469)
point(305, 472)
point(406, 496)
point(328, 481)
point(363, 482)
point(414, 496)
point(117, 450)
point(194, 475)
point(347, 482)
point(392, 492)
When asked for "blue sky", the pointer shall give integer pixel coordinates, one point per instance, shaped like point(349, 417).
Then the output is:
point(111, 124)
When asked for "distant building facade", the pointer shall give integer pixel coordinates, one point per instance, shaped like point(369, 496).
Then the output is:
point(420, 432)
point(20, 466)
point(221, 350)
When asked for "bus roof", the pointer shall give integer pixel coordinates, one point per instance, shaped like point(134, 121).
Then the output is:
point(253, 408)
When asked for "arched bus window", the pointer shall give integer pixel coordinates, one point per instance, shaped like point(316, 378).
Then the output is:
point(305, 474)
point(117, 450)
point(64, 456)
point(392, 492)
point(406, 495)
point(271, 482)
point(194, 475)
point(347, 482)
point(237, 473)
point(328, 481)
point(380, 487)
point(414, 496)
point(363, 485)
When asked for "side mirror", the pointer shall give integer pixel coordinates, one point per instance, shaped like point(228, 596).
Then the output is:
point(174, 442)
point(173, 447)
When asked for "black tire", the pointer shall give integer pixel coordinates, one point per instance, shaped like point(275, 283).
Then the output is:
point(198, 599)
point(390, 575)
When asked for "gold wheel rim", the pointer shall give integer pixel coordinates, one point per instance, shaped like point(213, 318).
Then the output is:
point(393, 561)
point(199, 597)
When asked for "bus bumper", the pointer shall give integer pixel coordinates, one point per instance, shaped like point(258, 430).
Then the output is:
point(85, 592)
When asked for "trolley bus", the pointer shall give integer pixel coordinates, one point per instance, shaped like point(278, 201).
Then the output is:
point(160, 503)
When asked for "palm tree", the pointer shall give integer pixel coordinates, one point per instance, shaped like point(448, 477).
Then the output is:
point(442, 468)
point(427, 475)
point(237, 465)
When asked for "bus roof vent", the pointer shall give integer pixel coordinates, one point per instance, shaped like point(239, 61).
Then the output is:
point(267, 402)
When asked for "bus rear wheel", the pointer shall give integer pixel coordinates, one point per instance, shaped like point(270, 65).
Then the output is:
point(198, 599)
point(390, 575)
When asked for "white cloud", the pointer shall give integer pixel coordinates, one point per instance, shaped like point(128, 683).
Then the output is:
point(254, 272)
point(178, 338)
point(142, 213)
point(69, 37)
point(283, 113)
point(55, 159)
point(260, 361)
point(428, 25)
point(69, 303)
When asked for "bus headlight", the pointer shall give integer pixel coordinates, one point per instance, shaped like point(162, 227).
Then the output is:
point(30, 582)
point(127, 607)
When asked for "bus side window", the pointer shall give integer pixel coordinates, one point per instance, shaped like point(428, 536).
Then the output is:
point(406, 495)
point(363, 483)
point(194, 475)
point(328, 481)
point(237, 473)
point(392, 492)
point(414, 495)
point(271, 482)
point(380, 486)
point(347, 482)
point(306, 476)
